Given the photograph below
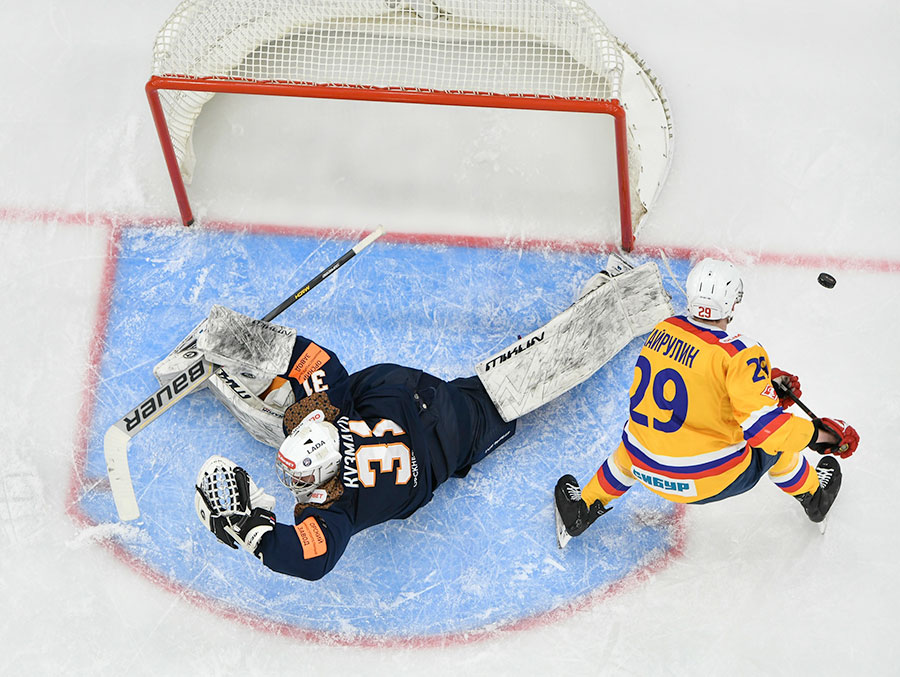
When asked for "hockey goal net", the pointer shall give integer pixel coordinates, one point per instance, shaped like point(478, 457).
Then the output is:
point(527, 54)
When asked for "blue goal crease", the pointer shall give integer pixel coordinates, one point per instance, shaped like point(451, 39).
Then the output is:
point(483, 553)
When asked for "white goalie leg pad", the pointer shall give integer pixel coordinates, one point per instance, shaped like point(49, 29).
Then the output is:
point(576, 343)
point(263, 420)
point(180, 358)
point(255, 350)
point(616, 264)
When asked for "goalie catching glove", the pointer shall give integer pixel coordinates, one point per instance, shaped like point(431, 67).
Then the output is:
point(847, 438)
point(231, 506)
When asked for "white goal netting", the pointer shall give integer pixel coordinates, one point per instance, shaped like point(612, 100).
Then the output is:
point(509, 47)
point(527, 49)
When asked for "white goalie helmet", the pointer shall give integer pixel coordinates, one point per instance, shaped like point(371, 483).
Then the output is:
point(714, 288)
point(309, 456)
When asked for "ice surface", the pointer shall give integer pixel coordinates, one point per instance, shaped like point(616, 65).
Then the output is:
point(786, 160)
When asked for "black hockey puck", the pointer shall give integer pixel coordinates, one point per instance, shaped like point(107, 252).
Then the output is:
point(827, 280)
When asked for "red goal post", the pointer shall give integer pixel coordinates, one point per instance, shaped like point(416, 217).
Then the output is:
point(553, 55)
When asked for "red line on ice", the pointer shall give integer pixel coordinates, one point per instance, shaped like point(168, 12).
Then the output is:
point(117, 223)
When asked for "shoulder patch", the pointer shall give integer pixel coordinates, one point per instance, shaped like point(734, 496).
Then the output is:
point(312, 540)
point(739, 341)
point(312, 359)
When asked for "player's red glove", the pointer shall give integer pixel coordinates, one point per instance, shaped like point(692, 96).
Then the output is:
point(784, 381)
point(846, 444)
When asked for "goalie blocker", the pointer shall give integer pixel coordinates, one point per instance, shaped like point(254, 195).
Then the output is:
point(249, 354)
point(617, 305)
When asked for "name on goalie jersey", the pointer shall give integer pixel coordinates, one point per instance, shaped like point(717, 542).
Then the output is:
point(682, 487)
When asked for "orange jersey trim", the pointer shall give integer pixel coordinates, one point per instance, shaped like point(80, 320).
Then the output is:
point(276, 383)
point(309, 361)
point(312, 540)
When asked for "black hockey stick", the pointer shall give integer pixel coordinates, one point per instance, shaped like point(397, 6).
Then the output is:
point(118, 435)
point(787, 392)
point(782, 391)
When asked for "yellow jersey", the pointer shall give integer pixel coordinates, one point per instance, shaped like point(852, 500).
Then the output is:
point(699, 400)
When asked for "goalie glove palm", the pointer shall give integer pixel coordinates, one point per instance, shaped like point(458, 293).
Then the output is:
point(231, 506)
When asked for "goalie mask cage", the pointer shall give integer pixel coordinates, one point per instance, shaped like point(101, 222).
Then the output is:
point(522, 54)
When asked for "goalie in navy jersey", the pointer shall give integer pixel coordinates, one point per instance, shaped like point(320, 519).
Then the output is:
point(360, 449)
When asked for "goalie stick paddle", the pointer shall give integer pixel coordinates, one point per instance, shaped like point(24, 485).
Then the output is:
point(118, 436)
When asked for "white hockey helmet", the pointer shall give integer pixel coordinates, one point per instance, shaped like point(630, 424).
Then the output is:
point(714, 288)
point(309, 456)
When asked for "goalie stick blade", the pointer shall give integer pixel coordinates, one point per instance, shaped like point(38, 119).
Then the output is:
point(115, 449)
point(117, 437)
point(562, 536)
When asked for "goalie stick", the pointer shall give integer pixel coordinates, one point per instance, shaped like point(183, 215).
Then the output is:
point(118, 436)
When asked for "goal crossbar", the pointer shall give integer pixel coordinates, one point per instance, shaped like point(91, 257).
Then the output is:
point(394, 95)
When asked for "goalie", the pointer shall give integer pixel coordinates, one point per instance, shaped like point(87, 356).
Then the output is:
point(360, 449)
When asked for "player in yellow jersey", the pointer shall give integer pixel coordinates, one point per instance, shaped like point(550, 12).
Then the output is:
point(706, 421)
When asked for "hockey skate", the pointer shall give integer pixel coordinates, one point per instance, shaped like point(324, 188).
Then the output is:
point(572, 514)
point(816, 505)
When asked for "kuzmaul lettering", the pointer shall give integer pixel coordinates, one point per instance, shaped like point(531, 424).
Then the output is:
point(350, 476)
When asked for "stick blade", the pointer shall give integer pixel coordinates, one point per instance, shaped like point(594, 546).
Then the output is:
point(115, 449)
